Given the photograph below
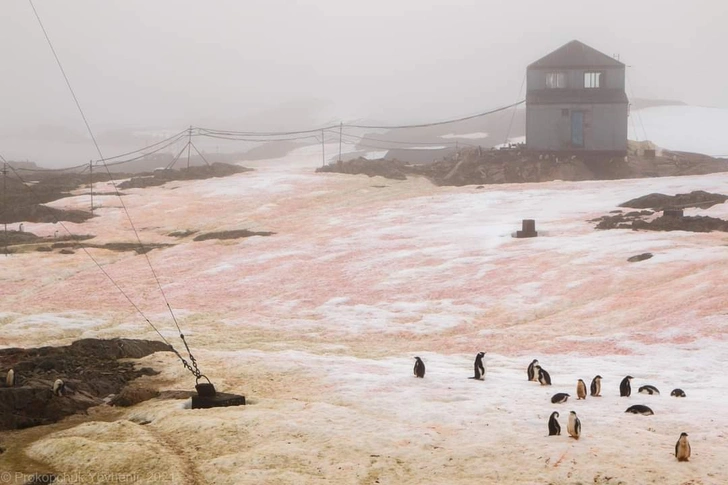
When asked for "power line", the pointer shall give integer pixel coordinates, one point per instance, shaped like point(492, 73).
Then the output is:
point(68, 83)
point(245, 137)
point(402, 142)
point(208, 131)
point(437, 123)
point(175, 136)
point(513, 116)
point(143, 155)
point(196, 370)
point(211, 132)
point(76, 244)
point(639, 115)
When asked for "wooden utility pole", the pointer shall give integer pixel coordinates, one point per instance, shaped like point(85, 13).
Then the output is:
point(91, 183)
point(189, 146)
point(5, 205)
point(323, 149)
point(341, 132)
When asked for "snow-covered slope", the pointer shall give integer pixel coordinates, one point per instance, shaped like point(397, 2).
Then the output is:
point(683, 128)
point(318, 326)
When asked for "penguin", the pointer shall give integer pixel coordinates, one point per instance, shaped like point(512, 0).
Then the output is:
point(580, 390)
point(59, 387)
point(677, 393)
point(479, 368)
point(543, 377)
point(419, 367)
point(554, 426)
point(640, 409)
point(10, 378)
point(574, 426)
point(682, 448)
point(625, 388)
point(559, 398)
point(648, 389)
point(532, 374)
point(596, 386)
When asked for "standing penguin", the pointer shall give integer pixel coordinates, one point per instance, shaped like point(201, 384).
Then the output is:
point(543, 377)
point(554, 426)
point(10, 378)
point(419, 367)
point(574, 426)
point(682, 448)
point(625, 388)
point(580, 390)
point(479, 368)
point(58, 387)
point(596, 386)
point(532, 375)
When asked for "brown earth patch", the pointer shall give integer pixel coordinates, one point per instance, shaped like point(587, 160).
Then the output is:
point(161, 177)
point(237, 234)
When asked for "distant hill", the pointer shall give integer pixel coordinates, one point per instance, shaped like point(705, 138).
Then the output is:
point(23, 165)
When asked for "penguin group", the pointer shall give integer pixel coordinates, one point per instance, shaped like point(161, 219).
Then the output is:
point(536, 373)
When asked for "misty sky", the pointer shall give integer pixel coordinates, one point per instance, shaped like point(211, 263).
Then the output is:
point(178, 62)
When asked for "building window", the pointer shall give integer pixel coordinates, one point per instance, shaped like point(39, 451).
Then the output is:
point(593, 79)
point(555, 80)
point(564, 112)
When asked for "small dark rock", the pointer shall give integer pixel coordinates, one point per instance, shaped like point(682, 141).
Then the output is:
point(66, 251)
point(639, 257)
point(148, 371)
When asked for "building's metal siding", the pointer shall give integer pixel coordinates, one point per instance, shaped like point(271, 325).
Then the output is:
point(605, 127)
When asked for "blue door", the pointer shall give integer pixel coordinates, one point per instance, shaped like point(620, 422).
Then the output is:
point(577, 129)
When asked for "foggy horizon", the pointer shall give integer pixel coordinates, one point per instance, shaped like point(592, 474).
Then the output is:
point(168, 65)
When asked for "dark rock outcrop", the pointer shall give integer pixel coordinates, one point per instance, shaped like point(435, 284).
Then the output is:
point(90, 369)
point(658, 202)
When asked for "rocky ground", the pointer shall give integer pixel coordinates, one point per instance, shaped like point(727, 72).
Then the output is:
point(476, 166)
point(671, 219)
point(90, 368)
point(23, 194)
point(161, 177)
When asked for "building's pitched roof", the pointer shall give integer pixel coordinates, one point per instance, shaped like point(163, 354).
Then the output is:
point(576, 96)
point(575, 54)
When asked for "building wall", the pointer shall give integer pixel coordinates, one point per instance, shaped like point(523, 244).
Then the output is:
point(536, 78)
point(605, 127)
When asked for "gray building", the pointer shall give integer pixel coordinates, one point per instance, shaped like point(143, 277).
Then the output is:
point(576, 101)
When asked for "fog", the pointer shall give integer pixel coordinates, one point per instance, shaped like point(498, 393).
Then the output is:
point(277, 64)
